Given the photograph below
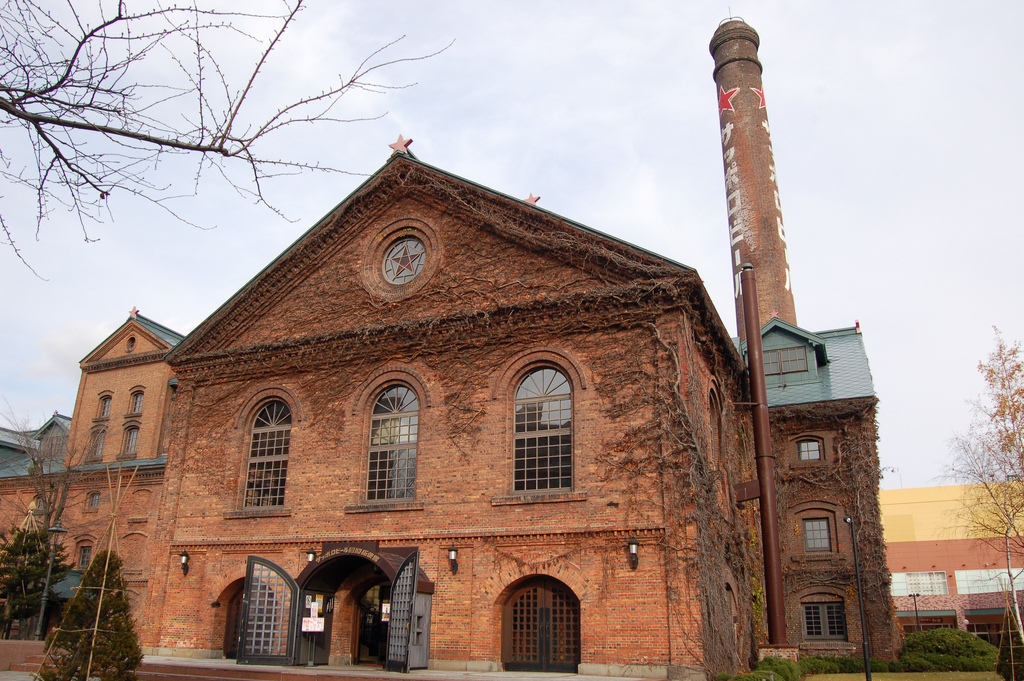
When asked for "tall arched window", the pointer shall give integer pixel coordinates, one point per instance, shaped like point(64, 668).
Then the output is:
point(393, 429)
point(543, 431)
point(131, 442)
point(268, 455)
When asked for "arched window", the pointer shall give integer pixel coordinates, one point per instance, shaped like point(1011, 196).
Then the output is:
point(94, 500)
point(105, 406)
point(268, 455)
point(543, 431)
point(393, 430)
point(97, 445)
point(131, 442)
point(135, 404)
point(84, 556)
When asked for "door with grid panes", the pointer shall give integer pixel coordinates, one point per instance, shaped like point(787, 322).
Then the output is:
point(541, 628)
point(270, 610)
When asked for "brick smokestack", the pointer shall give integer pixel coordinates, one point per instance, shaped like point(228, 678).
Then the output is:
point(756, 233)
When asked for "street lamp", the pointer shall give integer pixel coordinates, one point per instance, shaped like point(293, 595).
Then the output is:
point(54, 536)
point(860, 600)
point(917, 614)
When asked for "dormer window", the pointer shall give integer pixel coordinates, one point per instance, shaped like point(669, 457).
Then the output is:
point(784, 361)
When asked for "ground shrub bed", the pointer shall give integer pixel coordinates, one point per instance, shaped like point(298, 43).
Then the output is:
point(934, 650)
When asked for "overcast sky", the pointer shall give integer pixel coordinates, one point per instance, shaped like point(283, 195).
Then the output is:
point(898, 144)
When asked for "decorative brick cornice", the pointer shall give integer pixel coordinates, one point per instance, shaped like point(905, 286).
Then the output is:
point(126, 361)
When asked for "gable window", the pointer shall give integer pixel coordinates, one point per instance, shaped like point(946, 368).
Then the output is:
point(94, 500)
point(105, 406)
point(784, 361)
point(131, 442)
point(394, 426)
point(136, 403)
point(268, 455)
point(84, 556)
point(808, 450)
point(543, 432)
point(816, 535)
point(825, 621)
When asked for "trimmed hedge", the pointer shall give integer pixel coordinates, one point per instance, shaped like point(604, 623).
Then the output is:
point(947, 650)
point(785, 670)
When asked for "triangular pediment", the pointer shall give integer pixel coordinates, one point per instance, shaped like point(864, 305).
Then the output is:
point(138, 338)
point(413, 243)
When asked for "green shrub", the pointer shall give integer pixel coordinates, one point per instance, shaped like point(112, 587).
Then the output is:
point(879, 666)
point(947, 650)
point(1010, 665)
point(850, 665)
point(723, 676)
point(915, 663)
point(757, 675)
point(948, 642)
point(785, 670)
point(818, 665)
point(896, 667)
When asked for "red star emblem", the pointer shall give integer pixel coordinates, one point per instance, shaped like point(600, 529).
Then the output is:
point(133, 312)
point(725, 99)
point(760, 94)
point(533, 199)
point(401, 146)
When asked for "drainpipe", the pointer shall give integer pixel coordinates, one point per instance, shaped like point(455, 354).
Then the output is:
point(774, 597)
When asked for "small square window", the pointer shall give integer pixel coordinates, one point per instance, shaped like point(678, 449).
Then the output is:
point(809, 450)
point(816, 535)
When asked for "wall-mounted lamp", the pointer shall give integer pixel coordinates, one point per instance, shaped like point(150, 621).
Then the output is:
point(634, 556)
point(453, 559)
point(310, 556)
point(184, 562)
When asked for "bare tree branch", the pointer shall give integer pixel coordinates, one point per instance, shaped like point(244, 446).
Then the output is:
point(104, 92)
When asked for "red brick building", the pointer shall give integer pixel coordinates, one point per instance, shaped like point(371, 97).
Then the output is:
point(539, 416)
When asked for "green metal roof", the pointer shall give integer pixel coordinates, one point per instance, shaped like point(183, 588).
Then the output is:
point(927, 613)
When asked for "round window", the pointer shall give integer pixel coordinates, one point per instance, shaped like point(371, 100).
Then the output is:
point(404, 261)
point(130, 344)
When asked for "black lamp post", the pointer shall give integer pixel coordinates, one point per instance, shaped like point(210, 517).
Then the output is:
point(860, 600)
point(54, 536)
point(917, 614)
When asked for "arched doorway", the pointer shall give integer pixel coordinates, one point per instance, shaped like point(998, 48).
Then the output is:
point(231, 600)
point(541, 627)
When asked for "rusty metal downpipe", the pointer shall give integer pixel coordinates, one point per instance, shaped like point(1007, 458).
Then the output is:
point(773, 588)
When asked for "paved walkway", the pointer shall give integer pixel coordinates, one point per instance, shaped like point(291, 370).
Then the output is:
point(365, 672)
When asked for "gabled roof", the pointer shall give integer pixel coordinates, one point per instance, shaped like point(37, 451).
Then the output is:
point(56, 421)
point(405, 173)
point(814, 340)
point(846, 376)
point(161, 333)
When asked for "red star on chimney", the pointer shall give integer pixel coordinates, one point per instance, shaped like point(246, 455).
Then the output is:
point(760, 94)
point(725, 99)
point(401, 146)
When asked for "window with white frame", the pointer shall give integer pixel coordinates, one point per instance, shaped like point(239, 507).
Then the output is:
point(987, 581)
point(923, 583)
point(808, 450)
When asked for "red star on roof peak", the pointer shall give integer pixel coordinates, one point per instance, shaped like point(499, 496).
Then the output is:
point(760, 94)
point(134, 312)
point(725, 99)
point(533, 199)
point(401, 146)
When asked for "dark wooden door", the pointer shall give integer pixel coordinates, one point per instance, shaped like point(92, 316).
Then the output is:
point(542, 628)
